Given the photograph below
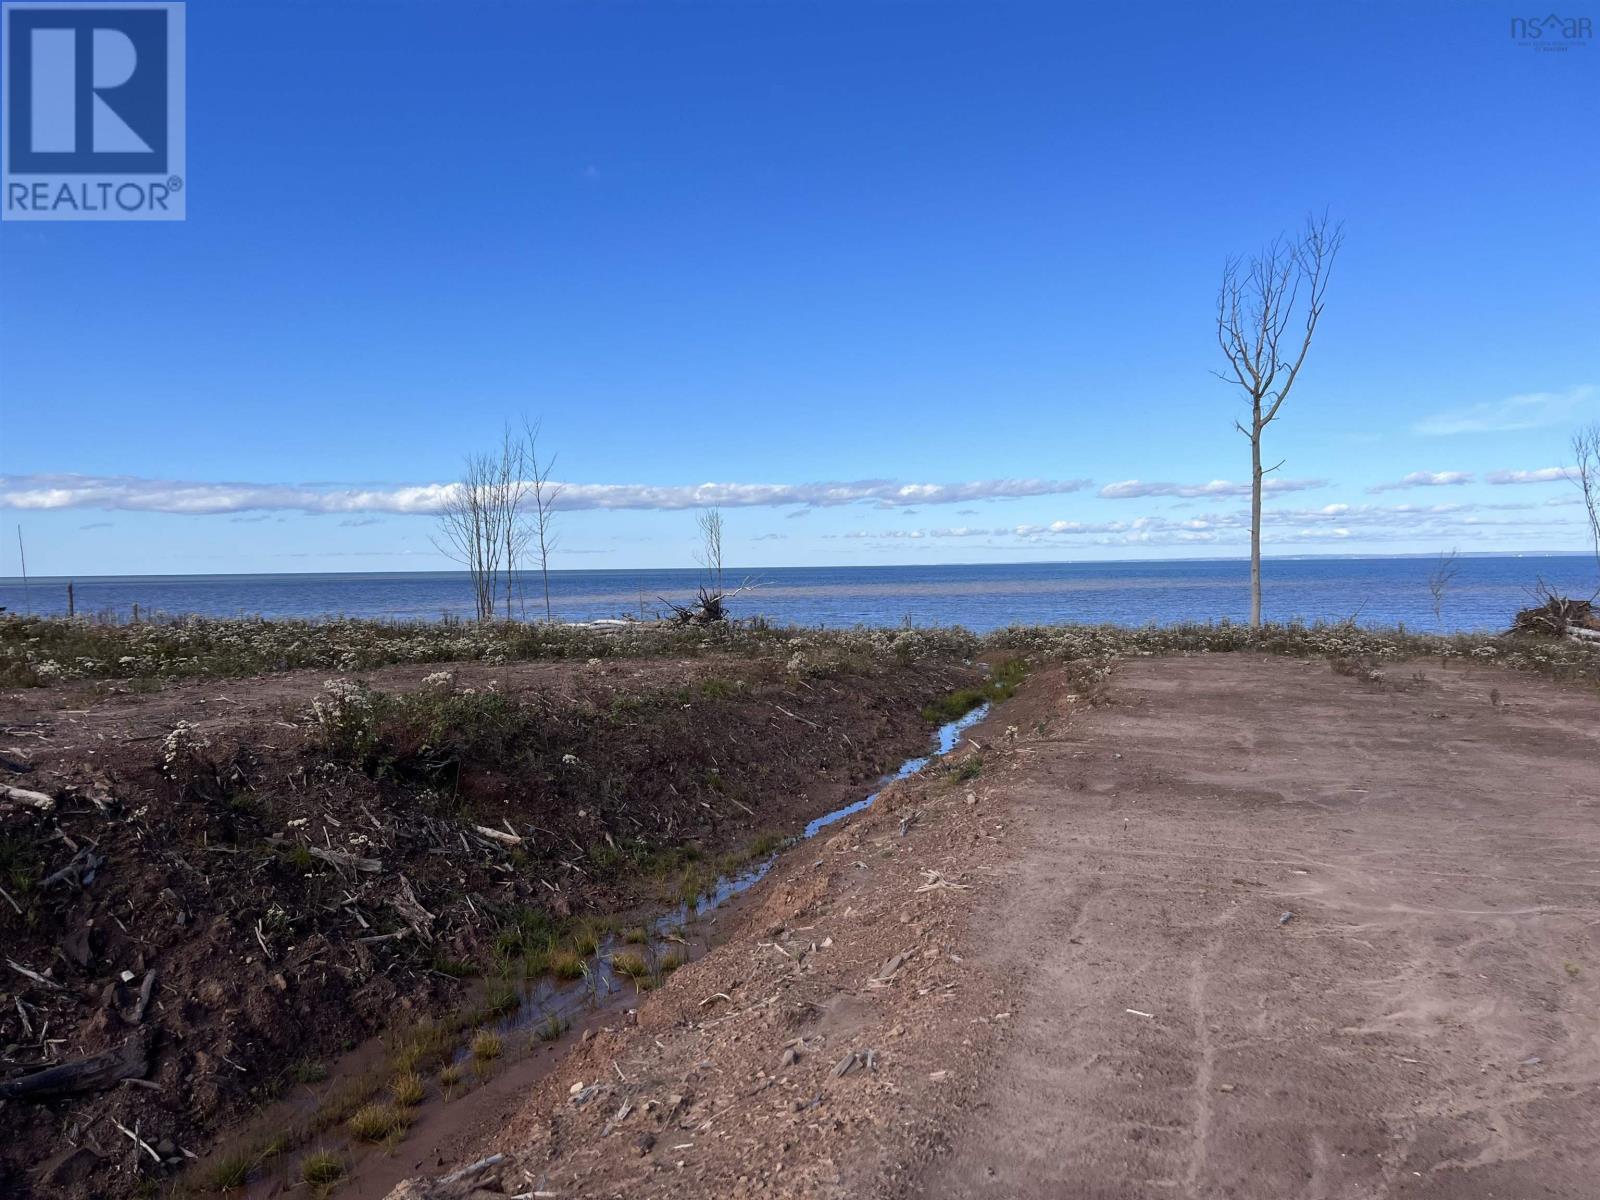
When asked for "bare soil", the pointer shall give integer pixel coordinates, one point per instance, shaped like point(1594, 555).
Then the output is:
point(264, 961)
point(1257, 928)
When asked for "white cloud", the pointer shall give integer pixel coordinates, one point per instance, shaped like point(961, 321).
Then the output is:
point(129, 493)
point(1531, 410)
point(1424, 479)
point(1442, 524)
point(1541, 475)
point(1130, 489)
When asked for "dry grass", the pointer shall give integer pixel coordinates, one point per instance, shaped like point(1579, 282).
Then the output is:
point(630, 965)
point(407, 1089)
point(321, 1168)
point(565, 963)
point(378, 1122)
point(487, 1046)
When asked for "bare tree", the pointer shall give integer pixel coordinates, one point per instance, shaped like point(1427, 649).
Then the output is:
point(545, 493)
point(471, 528)
point(710, 523)
point(1586, 474)
point(510, 490)
point(1439, 582)
point(1267, 312)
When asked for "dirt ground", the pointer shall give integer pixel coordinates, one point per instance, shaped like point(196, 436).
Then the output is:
point(1256, 928)
point(233, 919)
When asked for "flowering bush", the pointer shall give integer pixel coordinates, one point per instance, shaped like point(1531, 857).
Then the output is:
point(346, 717)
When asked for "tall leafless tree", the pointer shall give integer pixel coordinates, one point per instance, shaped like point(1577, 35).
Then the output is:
point(1586, 474)
point(537, 471)
point(472, 527)
point(1444, 574)
point(1268, 308)
point(710, 522)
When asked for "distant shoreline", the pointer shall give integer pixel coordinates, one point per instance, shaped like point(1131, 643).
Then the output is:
point(35, 580)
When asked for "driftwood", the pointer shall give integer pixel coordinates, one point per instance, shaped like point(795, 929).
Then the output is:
point(23, 796)
point(709, 608)
point(1558, 616)
point(340, 859)
point(131, 1060)
point(405, 903)
point(498, 835)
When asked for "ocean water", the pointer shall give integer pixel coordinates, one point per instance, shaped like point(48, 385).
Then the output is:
point(1374, 591)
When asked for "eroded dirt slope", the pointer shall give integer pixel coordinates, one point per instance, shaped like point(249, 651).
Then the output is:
point(237, 908)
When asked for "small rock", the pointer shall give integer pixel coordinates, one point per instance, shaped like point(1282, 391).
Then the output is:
point(790, 1057)
point(1227, 1087)
point(645, 1142)
point(1285, 918)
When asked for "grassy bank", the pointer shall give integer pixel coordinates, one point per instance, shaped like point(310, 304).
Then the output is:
point(39, 651)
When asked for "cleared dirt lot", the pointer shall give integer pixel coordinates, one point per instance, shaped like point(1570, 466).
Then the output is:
point(1280, 932)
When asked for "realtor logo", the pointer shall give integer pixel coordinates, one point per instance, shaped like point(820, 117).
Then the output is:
point(92, 112)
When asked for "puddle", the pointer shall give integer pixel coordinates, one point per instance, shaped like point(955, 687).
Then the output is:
point(440, 1130)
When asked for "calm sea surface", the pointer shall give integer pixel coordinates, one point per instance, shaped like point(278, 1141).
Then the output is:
point(1375, 591)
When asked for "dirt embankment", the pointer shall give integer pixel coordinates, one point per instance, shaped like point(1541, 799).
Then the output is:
point(1256, 928)
point(230, 906)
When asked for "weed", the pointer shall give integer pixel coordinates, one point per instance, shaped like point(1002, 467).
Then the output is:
point(630, 965)
point(565, 963)
point(767, 843)
point(969, 768)
point(297, 858)
point(671, 961)
point(407, 1089)
point(455, 968)
point(486, 1046)
point(1001, 685)
point(321, 1167)
point(231, 1170)
point(308, 1072)
point(501, 998)
point(21, 867)
point(586, 939)
point(551, 1028)
point(638, 935)
point(378, 1122)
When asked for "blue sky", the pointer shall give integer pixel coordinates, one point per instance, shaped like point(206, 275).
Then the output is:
point(777, 245)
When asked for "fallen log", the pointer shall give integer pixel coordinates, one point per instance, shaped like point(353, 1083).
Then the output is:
point(339, 859)
point(95, 1073)
point(23, 796)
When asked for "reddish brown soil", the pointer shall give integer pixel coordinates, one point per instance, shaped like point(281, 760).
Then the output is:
point(258, 955)
point(1256, 929)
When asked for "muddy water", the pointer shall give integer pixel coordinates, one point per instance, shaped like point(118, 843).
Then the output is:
point(445, 1128)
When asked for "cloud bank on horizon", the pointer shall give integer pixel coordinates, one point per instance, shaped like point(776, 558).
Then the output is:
point(129, 493)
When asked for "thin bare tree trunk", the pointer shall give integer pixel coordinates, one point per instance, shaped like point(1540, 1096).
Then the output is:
point(1255, 523)
point(1258, 303)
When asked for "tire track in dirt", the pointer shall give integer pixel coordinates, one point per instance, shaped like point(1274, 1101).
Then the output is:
point(1422, 1024)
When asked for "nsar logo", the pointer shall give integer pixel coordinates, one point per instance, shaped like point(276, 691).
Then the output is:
point(92, 112)
point(1552, 32)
